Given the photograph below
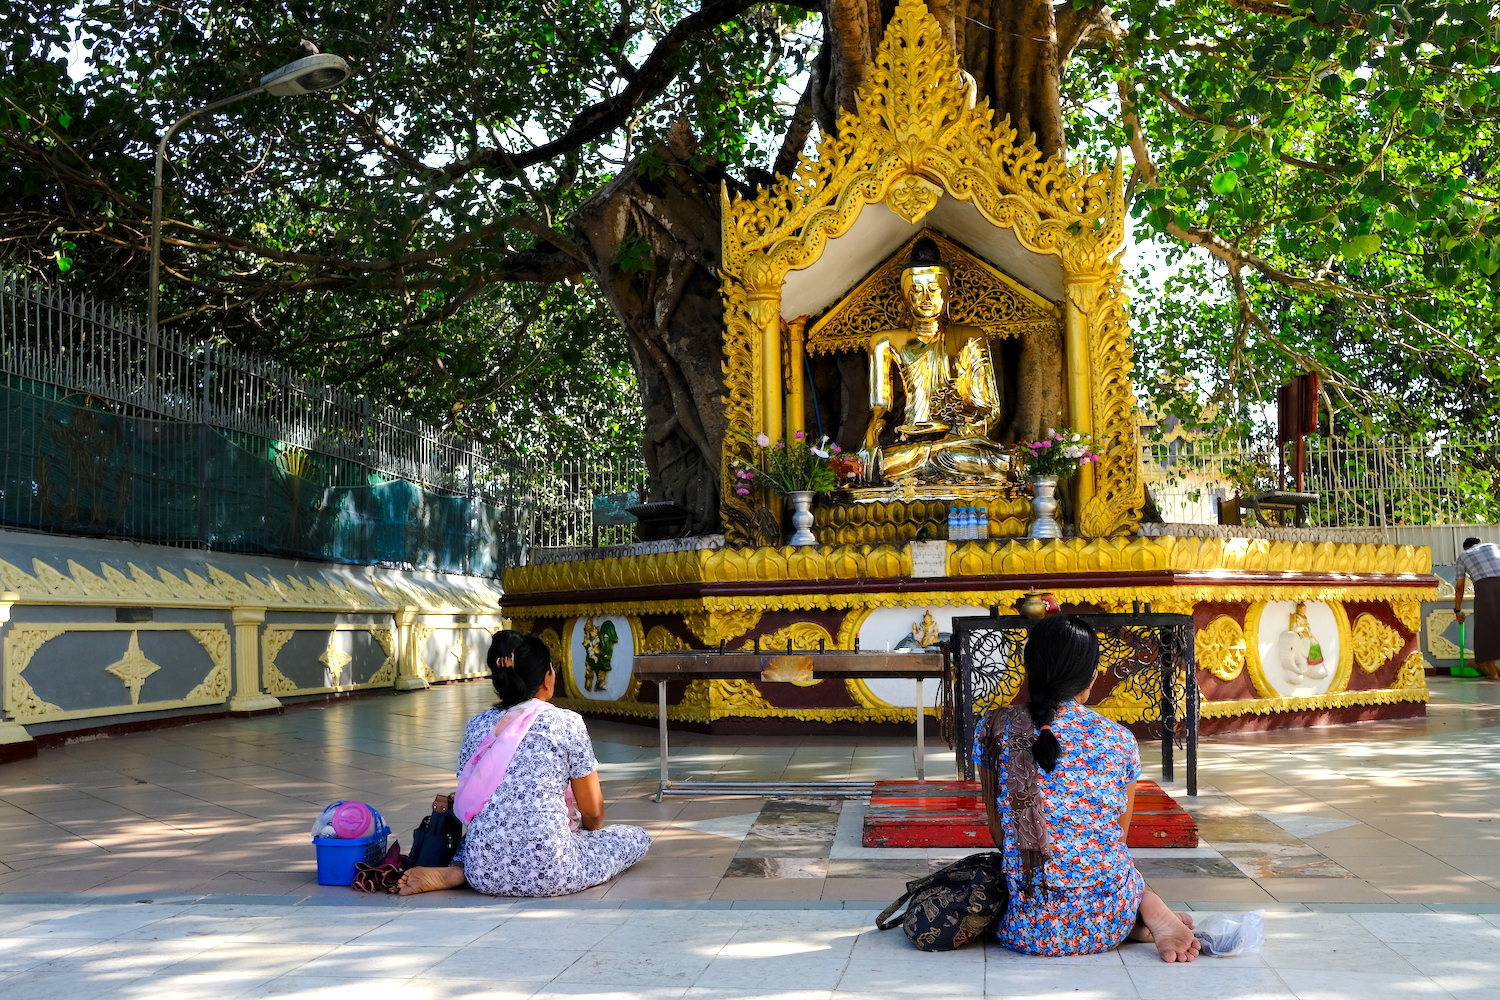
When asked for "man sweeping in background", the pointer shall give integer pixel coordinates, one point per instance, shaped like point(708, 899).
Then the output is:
point(1480, 562)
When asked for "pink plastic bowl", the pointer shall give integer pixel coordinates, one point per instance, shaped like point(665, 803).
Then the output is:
point(352, 820)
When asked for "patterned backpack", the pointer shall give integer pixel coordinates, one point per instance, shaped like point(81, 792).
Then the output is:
point(952, 906)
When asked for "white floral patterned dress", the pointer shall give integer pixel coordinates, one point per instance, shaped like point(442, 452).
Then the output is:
point(519, 843)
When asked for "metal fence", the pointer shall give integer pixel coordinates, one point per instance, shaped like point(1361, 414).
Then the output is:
point(65, 346)
point(1143, 653)
point(113, 430)
point(561, 500)
point(1361, 482)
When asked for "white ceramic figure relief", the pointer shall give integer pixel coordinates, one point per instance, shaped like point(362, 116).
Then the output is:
point(1299, 646)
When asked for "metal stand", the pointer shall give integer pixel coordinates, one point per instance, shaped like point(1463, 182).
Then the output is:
point(663, 667)
point(921, 733)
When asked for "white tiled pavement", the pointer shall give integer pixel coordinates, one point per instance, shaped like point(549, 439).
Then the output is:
point(165, 950)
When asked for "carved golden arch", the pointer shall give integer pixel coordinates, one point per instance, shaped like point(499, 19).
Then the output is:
point(919, 135)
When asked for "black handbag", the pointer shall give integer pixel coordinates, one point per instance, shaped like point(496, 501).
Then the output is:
point(436, 840)
point(952, 906)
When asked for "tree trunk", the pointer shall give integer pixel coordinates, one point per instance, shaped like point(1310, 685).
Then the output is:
point(654, 241)
point(655, 238)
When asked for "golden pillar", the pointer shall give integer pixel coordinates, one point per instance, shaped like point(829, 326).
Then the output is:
point(796, 376)
point(765, 313)
point(248, 696)
point(1081, 295)
point(409, 646)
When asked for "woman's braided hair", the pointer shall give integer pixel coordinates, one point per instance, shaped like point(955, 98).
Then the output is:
point(1061, 656)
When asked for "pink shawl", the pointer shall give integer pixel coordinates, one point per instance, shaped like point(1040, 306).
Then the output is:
point(486, 769)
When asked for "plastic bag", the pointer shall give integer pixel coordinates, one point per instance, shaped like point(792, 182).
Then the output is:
point(347, 820)
point(1225, 934)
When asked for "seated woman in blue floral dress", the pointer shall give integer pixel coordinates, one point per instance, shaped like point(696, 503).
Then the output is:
point(1059, 785)
point(529, 791)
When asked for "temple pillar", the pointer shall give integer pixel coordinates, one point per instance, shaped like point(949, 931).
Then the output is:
point(15, 742)
point(248, 696)
point(408, 651)
point(765, 313)
point(796, 376)
point(1081, 293)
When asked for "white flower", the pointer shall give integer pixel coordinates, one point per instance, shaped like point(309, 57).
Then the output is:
point(820, 452)
point(763, 440)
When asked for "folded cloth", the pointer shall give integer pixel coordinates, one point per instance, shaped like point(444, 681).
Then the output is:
point(384, 875)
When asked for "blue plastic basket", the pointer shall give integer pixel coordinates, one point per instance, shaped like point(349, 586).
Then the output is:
point(337, 858)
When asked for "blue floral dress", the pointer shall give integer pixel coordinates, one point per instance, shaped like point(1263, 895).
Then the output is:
point(520, 843)
point(1094, 890)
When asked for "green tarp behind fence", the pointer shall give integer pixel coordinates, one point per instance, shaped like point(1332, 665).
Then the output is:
point(76, 470)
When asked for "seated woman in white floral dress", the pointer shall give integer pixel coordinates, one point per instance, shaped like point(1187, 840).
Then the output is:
point(529, 791)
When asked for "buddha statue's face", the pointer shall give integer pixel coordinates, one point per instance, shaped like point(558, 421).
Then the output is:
point(926, 291)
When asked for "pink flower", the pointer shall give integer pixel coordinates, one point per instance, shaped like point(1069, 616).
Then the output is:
point(781, 444)
point(799, 435)
point(837, 450)
point(1044, 444)
point(763, 440)
point(743, 492)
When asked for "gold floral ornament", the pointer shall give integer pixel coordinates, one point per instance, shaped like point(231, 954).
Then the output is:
point(918, 131)
point(1221, 648)
point(913, 198)
point(133, 668)
point(1374, 643)
point(335, 659)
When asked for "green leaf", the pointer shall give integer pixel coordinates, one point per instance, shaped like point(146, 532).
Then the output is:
point(1325, 10)
point(1356, 247)
point(1331, 85)
point(1224, 183)
point(1237, 159)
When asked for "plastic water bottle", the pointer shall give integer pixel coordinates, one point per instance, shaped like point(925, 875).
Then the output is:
point(953, 529)
point(966, 517)
point(983, 524)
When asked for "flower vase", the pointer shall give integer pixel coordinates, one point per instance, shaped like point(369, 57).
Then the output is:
point(802, 517)
point(1044, 508)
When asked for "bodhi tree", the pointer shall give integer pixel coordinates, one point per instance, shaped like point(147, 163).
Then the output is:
point(1319, 179)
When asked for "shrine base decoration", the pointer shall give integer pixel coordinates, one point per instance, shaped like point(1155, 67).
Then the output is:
point(1287, 633)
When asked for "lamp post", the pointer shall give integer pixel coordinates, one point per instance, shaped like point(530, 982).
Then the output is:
point(305, 76)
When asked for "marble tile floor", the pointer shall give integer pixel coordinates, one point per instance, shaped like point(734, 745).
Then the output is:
point(1385, 813)
point(704, 951)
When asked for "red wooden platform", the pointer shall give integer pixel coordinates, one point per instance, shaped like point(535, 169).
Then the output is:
point(951, 814)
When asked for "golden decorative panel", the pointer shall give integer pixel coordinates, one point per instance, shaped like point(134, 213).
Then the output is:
point(1220, 648)
point(46, 584)
point(841, 521)
point(1186, 555)
point(1375, 643)
point(803, 636)
point(660, 640)
point(335, 659)
point(713, 627)
point(1409, 614)
point(919, 135)
point(981, 296)
point(1438, 620)
point(25, 639)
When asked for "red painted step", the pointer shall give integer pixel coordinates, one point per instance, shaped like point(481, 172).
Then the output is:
point(951, 814)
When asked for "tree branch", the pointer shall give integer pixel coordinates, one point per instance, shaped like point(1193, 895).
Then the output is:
point(604, 117)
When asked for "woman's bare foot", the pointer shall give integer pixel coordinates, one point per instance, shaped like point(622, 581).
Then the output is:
point(1172, 933)
point(430, 879)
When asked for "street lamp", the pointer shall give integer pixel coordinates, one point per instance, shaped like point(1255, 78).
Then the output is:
point(305, 76)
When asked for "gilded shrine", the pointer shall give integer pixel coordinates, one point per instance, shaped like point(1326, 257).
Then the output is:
point(829, 278)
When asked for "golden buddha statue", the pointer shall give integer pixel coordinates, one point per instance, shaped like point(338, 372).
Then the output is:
point(951, 398)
